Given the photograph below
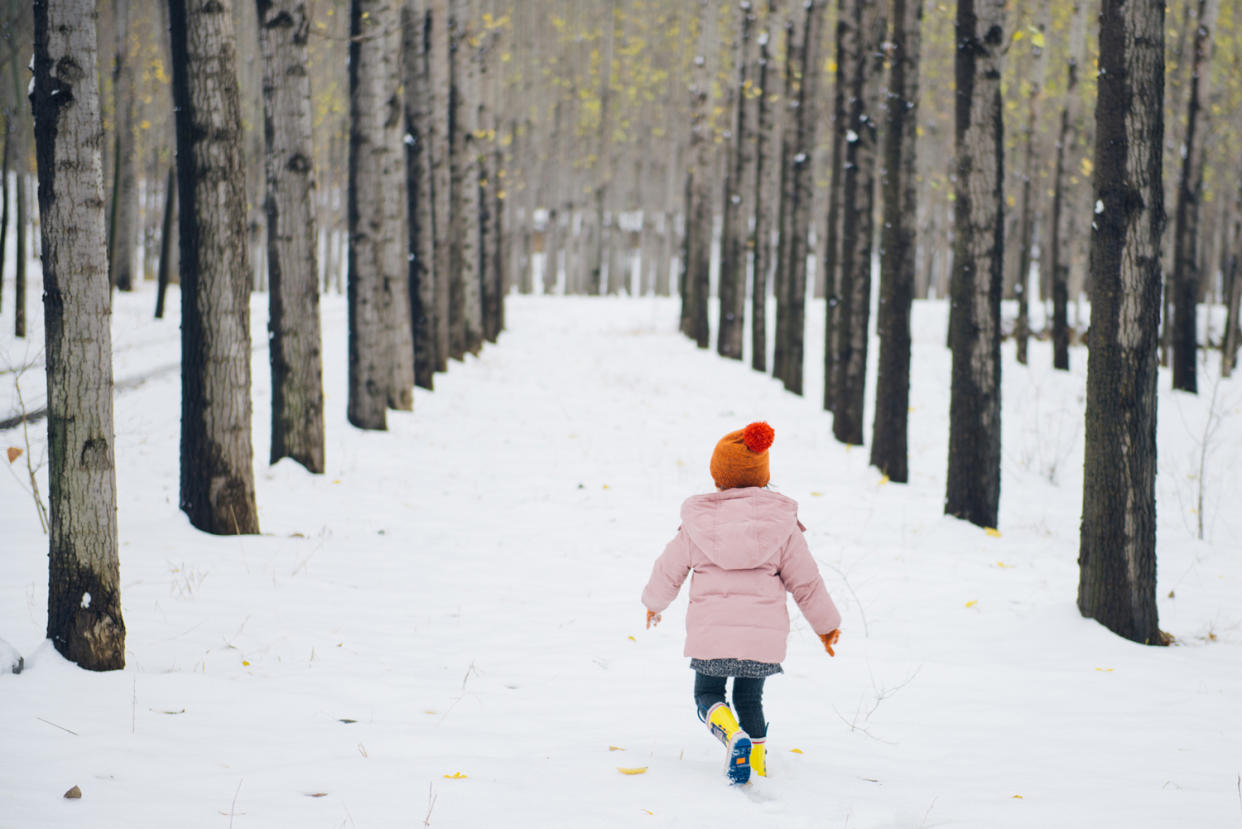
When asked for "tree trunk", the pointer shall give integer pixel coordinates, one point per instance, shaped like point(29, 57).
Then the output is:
point(19, 271)
point(1026, 211)
point(293, 324)
point(166, 237)
point(1232, 278)
point(1117, 551)
point(440, 126)
point(699, 214)
point(731, 329)
point(898, 244)
point(84, 618)
point(4, 201)
point(466, 225)
point(1186, 275)
point(1064, 221)
point(784, 215)
point(973, 485)
point(125, 198)
point(217, 460)
point(603, 156)
point(845, 39)
point(865, 72)
point(802, 151)
point(765, 134)
point(417, 26)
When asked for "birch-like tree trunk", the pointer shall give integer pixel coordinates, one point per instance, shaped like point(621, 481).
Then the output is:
point(1232, 291)
point(417, 25)
point(466, 228)
point(217, 459)
point(865, 76)
point(84, 618)
point(699, 212)
point(294, 345)
point(898, 244)
point(1026, 207)
point(1186, 272)
point(973, 485)
point(1117, 547)
point(844, 40)
point(125, 196)
point(438, 146)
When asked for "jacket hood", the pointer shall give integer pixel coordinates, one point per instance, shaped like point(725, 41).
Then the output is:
point(738, 529)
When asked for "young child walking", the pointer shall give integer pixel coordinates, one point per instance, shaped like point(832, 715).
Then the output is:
point(745, 546)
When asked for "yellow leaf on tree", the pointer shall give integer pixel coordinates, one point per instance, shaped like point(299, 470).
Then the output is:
point(638, 770)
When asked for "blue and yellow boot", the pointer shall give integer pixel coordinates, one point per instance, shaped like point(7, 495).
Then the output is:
point(721, 722)
point(758, 759)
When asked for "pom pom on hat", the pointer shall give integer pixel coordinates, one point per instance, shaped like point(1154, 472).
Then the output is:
point(758, 436)
point(741, 457)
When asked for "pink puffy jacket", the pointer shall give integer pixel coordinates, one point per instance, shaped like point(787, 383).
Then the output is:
point(746, 549)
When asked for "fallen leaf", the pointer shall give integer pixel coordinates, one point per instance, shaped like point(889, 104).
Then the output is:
point(992, 531)
point(1005, 566)
point(615, 748)
point(246, 663)
point(648, 811)
point(795, 751)
point(632, 639)
point(455, 776)
point(972, 602)
point(73, 794)
point(883, 480)
point(1016, 797)
point(638, 770)
point(817, 494)
point(316, 794)
point(14, 453)
point(1105, 670)
point(347, 720)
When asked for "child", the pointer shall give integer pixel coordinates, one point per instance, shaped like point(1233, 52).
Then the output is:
point(744, 544)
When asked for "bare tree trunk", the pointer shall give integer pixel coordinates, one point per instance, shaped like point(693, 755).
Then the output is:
point(440, 125)
point(1117, 550)
point(293, 324)
point(125, 198)
point(699, 211)
point(466, 227)
point(784, 218)
point(973, 484)
point(1026, 211)
point(866, 70)
point(4, 199)
point(217, 460)
point(417, 26)
point(166, 247)
point(898, 244)
point(844, 41)
point(1232, 277)
point(1186, 275)
point(765, 135)
point(1064, 221)
point(84, 618)
point(603, 156)
point(732, 290)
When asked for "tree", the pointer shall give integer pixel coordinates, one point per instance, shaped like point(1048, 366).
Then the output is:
point(1186, 278)
point(1026, 210)
point(791, 324)
point(973, 485)
point(699, 212)
point(417, 26)
point(864, 71)
point(84, 618)
point(1065, 220)
point(217, 474)
point(762, 245)
point(898, 244)
point(1117, 545)
point(730, 330)
point(292, 264)
point(124, 225)
point(378, 274)
point(845, 40)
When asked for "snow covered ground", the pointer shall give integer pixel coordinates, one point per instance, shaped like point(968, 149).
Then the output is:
point(445, 630)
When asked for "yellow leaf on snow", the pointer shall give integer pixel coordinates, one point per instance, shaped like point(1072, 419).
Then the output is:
point(795, 751)
point(14, 453)
point(615, 748)
point(638, 770)
point(455, 776)
point(972, 602)
point(992, 531)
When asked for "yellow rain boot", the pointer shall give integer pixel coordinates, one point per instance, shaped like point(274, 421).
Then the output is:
point(725, 727)
point(758, 763)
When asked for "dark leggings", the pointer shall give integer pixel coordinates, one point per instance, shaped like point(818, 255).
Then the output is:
point(747, 700)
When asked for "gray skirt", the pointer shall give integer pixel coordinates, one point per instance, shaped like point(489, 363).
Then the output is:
point(745, 668)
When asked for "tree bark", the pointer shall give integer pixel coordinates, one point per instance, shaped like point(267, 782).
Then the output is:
point(84, 618)
point(730, 329)
point(973, 485)
point(765, 135)
point(1233, 292)
point(844, 40)
point(1186, 274)
point(699, 213)
point(125, 198)
point(1064, 222)
point(1026, 210)
point(217, 472)
point(166, 237)
point(1117, 548)
point(440, 125)
point(865, 72)
point(292, 265)
point(898, 245)
point(417, 26)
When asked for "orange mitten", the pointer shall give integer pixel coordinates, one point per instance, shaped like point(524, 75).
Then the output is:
point(829, 639)
point(653, 619)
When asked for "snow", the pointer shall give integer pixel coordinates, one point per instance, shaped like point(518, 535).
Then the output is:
point(445, 630)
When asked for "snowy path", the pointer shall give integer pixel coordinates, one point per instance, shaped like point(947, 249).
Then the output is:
point(463, 590)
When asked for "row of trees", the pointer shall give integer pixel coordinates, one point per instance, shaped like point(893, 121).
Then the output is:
point(425, 257)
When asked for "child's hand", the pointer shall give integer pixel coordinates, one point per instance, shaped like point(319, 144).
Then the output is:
point(653, 619)
point(829, 639)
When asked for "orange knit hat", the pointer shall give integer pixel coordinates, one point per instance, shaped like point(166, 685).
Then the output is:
point(741, 457)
